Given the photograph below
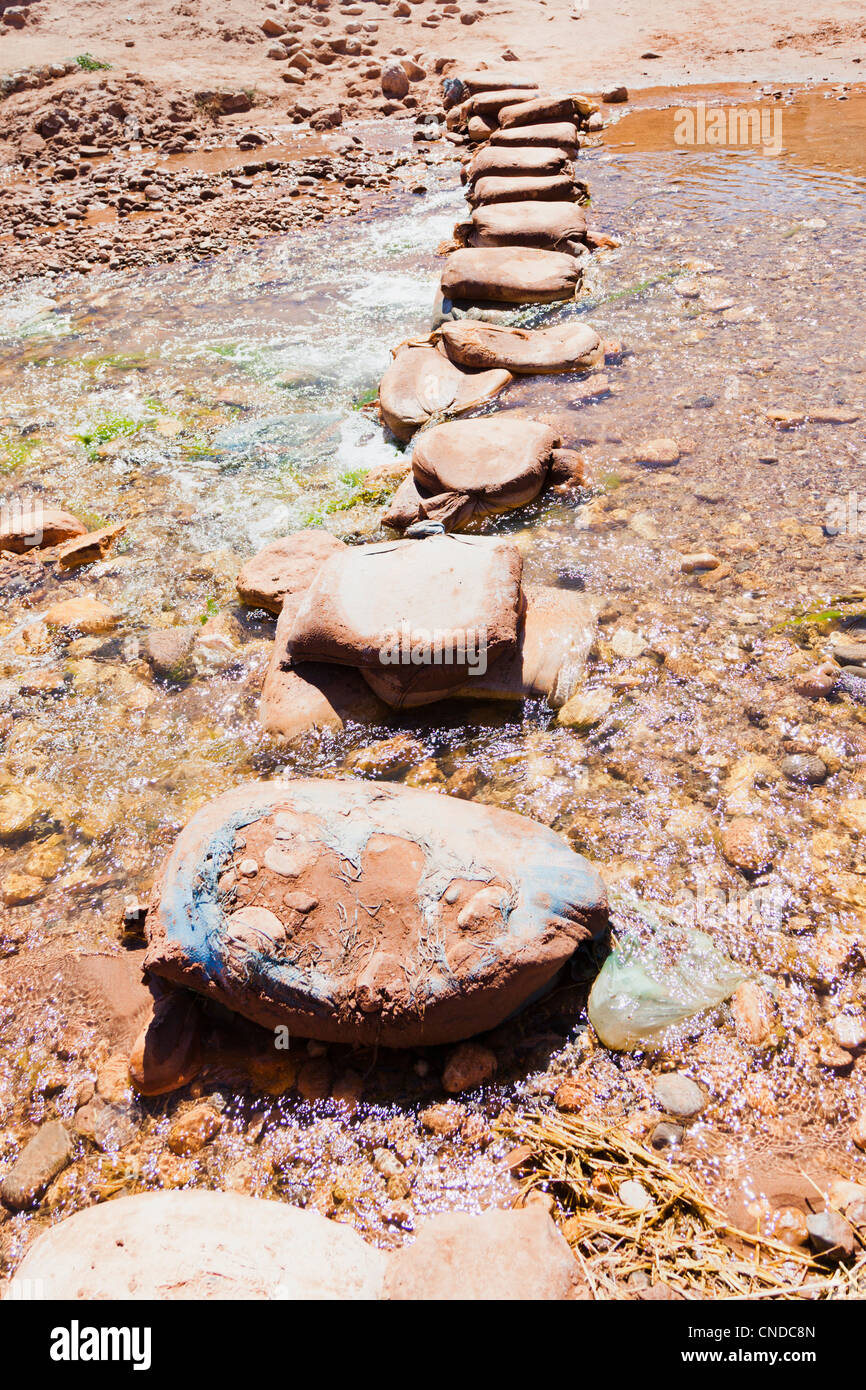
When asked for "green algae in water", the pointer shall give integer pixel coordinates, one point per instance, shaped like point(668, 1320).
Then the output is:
point(112, 427)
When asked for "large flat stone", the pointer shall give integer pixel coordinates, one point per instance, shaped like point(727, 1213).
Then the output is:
point(364, 912)
point(421, 382)
point(200, 1245)
point(510, 275)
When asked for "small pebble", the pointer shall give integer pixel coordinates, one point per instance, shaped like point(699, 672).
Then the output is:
point(666, 1135)
point(803, 767)
point(679, 1095)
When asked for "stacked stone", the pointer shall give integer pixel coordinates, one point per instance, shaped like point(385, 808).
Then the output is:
point(523, 243)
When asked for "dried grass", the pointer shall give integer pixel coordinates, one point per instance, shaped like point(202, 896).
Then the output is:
point(681, 1240)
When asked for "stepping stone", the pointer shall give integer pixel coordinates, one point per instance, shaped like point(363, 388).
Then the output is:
point(369, 598)
point(475, 82)
point(470, 469)
point(424, 919)
point(421, 382)
point(559, 135)
point(535, 161)
point(510, 275)
point(496, 189)
point(496, 1255)
point(558, 630)
point(491, 103)
point(566, 347)
point(537, 111)
point(549, 226)
point(196, 1245)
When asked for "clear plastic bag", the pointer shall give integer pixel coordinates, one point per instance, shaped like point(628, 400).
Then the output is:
point(661, 974)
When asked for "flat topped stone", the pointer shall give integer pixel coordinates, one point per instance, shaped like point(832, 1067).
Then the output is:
point(552, 226)
point(565, 347)
point(435, 918)
point(496, 81)
point(368, 600)
point(559, 133)
point(508, 161)
point(491, 455)
point(200, 1245)
point(511, 275)
point(285, 569)
point(488, 103)
point(537, 111)
point(497, 1255)
point(493, 188)
point(466, 470)
point(32, 527)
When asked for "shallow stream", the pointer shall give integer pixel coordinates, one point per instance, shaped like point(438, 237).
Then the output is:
point(213, 407)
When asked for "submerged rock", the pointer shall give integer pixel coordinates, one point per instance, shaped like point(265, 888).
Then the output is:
point(434, 918)
point(87, 615)
point(169, 652)
point(679, 1095)
point(46, 1155)
point(831, 1236)
point(469, 1065)
point(746, 844)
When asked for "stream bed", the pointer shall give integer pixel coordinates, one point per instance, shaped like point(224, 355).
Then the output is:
point(216, 406)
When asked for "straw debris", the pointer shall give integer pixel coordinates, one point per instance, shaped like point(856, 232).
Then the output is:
point(679, 1238)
